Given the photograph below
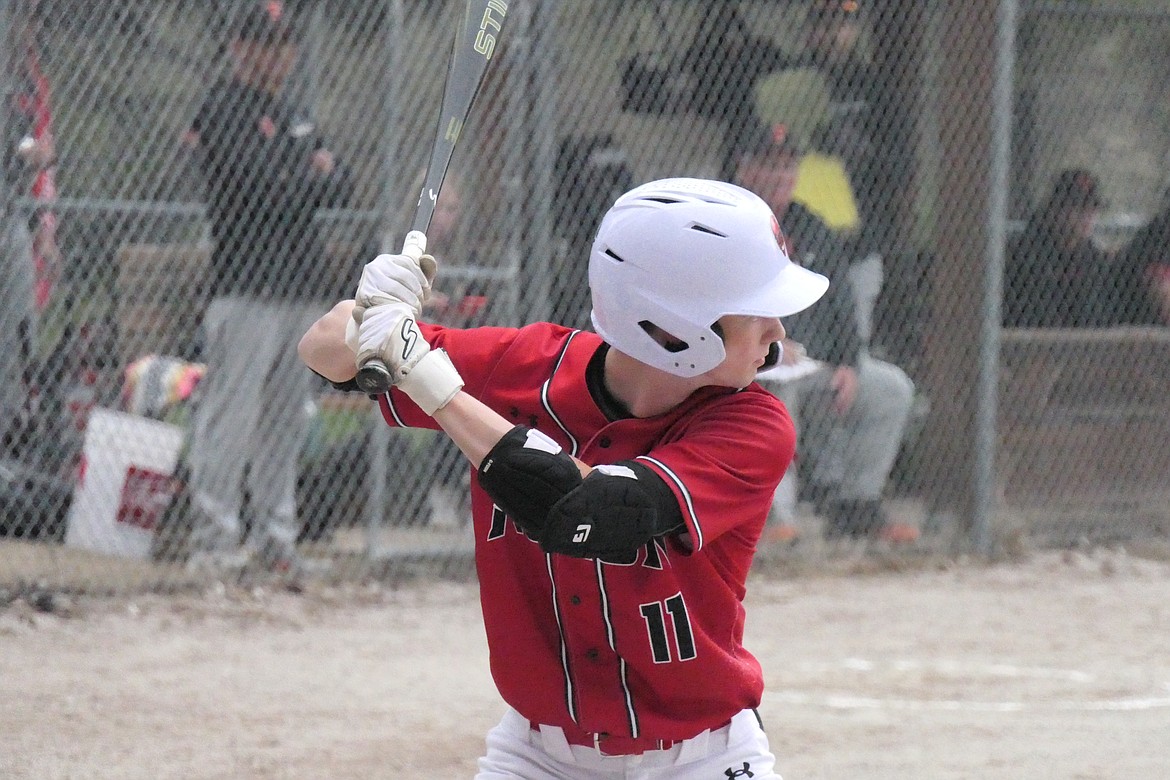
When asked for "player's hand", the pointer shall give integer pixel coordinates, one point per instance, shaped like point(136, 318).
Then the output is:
point(844, 383)
point(322, 162)
point(386, 332)
point(791, 352)
point(390, 333)
point(395, 279)
point(37, 153)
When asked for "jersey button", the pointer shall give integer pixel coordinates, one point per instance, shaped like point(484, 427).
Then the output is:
point(604, 441)
point(575, 600)
point(592, 654)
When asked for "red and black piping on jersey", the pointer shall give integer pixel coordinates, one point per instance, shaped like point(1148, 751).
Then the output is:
point(574, 446)
point(682, 491)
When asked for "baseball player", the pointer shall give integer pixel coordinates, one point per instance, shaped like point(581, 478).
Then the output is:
point(621, 480)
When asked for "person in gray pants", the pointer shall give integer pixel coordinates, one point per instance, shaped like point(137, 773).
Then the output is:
point(850, 409)
point(23, 156)
point(17, 324)
point(268, 171)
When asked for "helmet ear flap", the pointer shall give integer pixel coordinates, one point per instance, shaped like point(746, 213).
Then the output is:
point(662, 338)
point(667, 340)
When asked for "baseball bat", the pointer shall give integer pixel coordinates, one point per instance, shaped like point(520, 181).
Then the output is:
point(475, 42)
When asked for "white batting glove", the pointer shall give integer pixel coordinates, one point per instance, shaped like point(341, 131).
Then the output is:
point(390, 333)
point(395, 279)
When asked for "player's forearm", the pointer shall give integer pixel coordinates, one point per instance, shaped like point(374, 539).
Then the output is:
point(472, 425)
point(476, 428)
point(390, 333)
point(323, 346)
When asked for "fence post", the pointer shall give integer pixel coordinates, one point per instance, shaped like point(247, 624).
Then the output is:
point(380, 432)
point(962, 378)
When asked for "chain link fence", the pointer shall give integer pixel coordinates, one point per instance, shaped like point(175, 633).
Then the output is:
point(995, 174)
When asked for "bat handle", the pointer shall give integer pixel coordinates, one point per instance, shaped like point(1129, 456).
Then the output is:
point(373, 377)
point(415, 244)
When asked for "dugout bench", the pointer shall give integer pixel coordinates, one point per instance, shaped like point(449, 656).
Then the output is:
point(1084, 422)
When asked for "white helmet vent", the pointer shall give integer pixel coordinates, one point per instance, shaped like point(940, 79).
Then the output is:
point(708, 230)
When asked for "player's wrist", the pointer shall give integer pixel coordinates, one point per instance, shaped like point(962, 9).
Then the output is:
point(431, 382)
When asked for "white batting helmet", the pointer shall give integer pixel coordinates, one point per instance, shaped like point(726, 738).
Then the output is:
point(681, 253)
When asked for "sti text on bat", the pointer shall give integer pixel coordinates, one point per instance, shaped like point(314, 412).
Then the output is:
point(489, 27)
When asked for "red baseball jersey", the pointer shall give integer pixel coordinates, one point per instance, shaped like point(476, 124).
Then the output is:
point(652, 649)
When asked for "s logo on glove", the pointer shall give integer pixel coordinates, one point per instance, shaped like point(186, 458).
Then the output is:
point(391, 334)
point(410, 336)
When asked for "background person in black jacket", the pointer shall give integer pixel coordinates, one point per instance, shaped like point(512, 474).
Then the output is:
point(1144, 273)
point(268, 171)
point(851, 411)
point(21, 158)
point(725, 61)
point(1055, 276)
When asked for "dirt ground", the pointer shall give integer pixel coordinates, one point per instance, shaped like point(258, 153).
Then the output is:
point(1055, 666)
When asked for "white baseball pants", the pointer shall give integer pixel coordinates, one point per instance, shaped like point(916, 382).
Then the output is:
point(517, 751)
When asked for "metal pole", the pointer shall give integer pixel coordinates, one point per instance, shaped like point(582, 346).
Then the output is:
point(989, 341)
point(310, 63)
point(6, 192)
point(953, 364)
point(380, 433)
point(521, 303)
point(544, 67)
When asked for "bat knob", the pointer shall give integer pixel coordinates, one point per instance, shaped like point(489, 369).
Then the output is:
point(373, 378)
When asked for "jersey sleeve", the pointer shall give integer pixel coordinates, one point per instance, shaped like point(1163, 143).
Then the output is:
point(726, 464)
point(475, 353)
